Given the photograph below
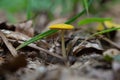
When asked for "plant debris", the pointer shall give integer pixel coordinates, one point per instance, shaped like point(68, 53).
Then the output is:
point(86, 53)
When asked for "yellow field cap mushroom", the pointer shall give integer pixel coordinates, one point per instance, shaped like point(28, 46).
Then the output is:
point(61, 26)
point(108, 24)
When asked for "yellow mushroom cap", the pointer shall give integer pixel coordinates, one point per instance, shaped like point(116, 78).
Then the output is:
point(108, 24)
point(61, 26)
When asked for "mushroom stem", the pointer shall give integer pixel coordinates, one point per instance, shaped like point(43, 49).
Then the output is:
point(63, 44)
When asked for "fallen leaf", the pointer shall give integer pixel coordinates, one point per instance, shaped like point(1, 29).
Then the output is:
point(25, 28)
point(15, 35)
point(111, 52)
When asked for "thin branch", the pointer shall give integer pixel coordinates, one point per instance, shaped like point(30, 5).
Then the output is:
point(8, 44)
point(110, 41)
point(32, 45)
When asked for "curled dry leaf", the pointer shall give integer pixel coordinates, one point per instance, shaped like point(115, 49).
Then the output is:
point(111, 52)
point(25, 28)
point(88, 46)
point(15, 35)
point(78, 44)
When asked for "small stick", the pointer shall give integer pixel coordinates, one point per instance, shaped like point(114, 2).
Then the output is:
point(111, 42)
point(8, 44)
point(32, 45)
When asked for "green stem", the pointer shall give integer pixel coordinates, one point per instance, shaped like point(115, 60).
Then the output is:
point(63, 44)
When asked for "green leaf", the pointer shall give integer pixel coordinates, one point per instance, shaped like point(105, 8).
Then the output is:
point(50, 32)
point(39, 36)
point(105, 31)
point(90, 20)
point(108, 58)
point(29, 12)
point(80, 14)
point(85, 3)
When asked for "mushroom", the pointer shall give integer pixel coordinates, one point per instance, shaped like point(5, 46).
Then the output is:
point(106, 25)
point(62, 27)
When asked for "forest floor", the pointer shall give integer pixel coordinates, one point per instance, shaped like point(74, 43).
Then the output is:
point(94, 59)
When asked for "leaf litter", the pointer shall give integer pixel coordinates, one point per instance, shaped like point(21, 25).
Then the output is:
point(43, 60)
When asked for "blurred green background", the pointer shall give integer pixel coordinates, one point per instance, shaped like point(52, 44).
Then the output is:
point(29, 9)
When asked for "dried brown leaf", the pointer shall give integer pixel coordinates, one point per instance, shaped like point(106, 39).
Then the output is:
point(25, 28)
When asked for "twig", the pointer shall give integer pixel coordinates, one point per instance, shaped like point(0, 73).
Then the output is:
point(32, 45)
point(104, 38)
point(109, 41)
point(8, 44)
